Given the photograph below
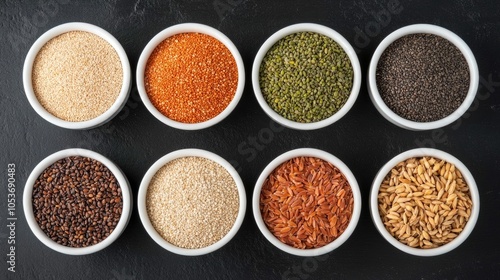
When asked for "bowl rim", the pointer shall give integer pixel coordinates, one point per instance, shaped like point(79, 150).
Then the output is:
point(307, 152)
point(54, 32)
point(28, 205)
point(394, 118)
point(143, 214)
point(189, 28)
point(420, 152)
point(320, 29)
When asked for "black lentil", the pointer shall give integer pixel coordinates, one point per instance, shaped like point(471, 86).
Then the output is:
point(77, 201)
point(422, 77)
point(306, 77)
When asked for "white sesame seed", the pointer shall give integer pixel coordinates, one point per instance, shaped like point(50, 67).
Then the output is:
point(192, 202)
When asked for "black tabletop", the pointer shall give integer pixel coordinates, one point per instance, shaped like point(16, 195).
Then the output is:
point(363, 139)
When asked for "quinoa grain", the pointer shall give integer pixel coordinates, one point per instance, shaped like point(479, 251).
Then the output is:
point(77, 76)
point(192, 202)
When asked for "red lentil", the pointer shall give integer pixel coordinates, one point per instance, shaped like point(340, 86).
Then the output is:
point(191, 77)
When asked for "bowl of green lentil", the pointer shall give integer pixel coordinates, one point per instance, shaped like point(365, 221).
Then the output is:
point(424, 202)
point(306, 202)
point(77, 201)
point(191, 202)
point(306, 76)
point(77, 76)
point(422, 77)
point(190, 76)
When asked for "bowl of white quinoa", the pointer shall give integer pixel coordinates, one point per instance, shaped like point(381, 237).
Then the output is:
point(77, 76)
point(191, 202)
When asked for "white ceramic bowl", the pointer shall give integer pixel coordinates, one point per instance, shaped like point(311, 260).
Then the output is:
point(307, 152)
point(54, 32)
point(189, 28)
point(421, 152)
point(28, 205)
point(143, 190)
point(306, 27)
point(427, 29)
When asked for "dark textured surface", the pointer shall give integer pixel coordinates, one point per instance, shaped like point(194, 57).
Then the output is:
point(362, 139)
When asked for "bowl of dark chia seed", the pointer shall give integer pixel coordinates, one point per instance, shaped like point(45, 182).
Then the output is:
point(306, 76)
point(422, 77)
point(77, 201)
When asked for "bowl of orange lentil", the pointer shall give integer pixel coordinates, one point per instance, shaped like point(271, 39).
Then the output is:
point(190, 76)
point(306, 202)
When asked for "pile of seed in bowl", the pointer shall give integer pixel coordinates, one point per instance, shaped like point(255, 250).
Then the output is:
point(306, 202)
point(422, 77)
point(192, 202)
point(306, 77)
point(77, 76)
point(191, 77)
point(424, 202)
point(77, 201)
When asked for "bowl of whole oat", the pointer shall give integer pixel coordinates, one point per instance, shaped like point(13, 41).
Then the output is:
point(425, 202)
point(191, 202)
point(306, 202)
point(77, 76)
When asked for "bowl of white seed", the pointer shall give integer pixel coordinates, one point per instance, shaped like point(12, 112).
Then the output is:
point(77, 76)
point(191, 202)
point(425, 202)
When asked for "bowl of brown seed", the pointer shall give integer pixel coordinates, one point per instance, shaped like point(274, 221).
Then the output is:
point(306, 202)
point(422, 77)
point(191, 202)
point(77, 201)
point(424, 202)
point(77, 76)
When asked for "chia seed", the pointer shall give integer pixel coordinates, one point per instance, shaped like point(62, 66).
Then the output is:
point(423, 77)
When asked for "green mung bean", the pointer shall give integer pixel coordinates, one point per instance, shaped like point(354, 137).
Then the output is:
point(306, 77)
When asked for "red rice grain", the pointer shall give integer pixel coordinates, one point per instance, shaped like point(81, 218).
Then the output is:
point(306, 202)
